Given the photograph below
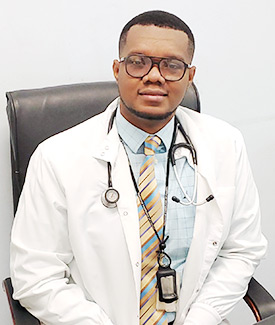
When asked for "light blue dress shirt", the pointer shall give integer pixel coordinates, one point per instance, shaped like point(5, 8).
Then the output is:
point(180, 219)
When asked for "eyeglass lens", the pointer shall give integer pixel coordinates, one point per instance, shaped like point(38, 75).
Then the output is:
point(138, 66)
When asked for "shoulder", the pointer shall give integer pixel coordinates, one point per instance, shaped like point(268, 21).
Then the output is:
point(208, 126)
point(81, 136)
point(74, 146)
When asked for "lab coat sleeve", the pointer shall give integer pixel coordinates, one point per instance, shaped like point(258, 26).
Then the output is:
point(41, 253)
point(239, 254)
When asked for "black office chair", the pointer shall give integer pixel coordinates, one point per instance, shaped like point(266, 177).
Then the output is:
point(35, 115)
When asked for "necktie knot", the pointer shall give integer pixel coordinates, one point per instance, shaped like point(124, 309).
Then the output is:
point(151, 144)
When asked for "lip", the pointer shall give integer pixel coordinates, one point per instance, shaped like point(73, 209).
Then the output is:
point(153, 95)
point(152, 92)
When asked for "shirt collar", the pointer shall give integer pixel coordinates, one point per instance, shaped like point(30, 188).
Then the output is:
point(134, 137)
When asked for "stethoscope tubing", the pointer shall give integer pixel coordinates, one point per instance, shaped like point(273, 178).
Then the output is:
point(189, 146)
point(186, 196)
point(171, 157)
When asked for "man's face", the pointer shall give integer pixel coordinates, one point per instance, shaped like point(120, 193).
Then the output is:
point(150, 102)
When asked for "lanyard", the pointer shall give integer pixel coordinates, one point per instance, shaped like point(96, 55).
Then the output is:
point(162, 242)
point(166, 277)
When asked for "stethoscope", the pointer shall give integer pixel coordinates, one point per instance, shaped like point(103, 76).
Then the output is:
point(110, 196)
point(188, 145)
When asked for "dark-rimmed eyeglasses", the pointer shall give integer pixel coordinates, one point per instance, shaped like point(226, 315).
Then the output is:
point(138, 66)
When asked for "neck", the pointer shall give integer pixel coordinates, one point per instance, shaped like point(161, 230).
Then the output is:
point(149, 126)
point(149, 123)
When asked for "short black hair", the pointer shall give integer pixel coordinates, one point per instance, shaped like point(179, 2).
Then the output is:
point(158, 18)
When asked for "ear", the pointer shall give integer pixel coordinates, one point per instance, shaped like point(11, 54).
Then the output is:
point(192, 72)
point(116, 66)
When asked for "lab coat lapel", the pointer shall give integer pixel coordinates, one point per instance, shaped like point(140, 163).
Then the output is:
point(112, 150)
point(200, 142)
point(127, 207)
point(208, 220)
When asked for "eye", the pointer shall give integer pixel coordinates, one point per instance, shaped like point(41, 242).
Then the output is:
point(136, 61)
point(173, 64)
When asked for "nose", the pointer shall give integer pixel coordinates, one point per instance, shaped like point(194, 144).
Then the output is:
point(154, 75)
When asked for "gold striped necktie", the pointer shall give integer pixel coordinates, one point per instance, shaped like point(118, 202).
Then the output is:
point(149, 241)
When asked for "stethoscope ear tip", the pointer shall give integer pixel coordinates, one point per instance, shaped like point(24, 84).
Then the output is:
point(175, 199)
point(209, 198)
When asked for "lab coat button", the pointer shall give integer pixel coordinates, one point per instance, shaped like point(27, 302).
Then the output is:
point(125, 213)
point(107, 148)
point(102, 153)
point(137, 264)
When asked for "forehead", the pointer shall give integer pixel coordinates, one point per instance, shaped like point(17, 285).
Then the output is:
point(156, 41)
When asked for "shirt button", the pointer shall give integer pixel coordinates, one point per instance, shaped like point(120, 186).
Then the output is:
point(215, 243)
point(107, 148)
point(125, 213)
point(137, 264)
point(102, 153)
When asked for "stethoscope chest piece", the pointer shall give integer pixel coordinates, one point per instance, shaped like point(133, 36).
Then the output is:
point(110, 197)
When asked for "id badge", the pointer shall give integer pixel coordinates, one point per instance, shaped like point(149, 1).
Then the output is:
point(167, 285)
point(172, 306)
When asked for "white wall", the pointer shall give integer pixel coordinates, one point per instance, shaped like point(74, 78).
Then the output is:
point(45, 43)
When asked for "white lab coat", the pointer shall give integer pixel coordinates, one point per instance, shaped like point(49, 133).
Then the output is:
point(74, 261)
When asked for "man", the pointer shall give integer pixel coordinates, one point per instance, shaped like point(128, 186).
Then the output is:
point(84, 255)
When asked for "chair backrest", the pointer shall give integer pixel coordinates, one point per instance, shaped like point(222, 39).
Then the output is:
point(34, 115)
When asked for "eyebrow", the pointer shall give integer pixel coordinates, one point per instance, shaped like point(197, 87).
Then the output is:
point(160, 57)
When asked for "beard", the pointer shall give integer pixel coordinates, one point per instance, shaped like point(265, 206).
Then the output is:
point(148, 115)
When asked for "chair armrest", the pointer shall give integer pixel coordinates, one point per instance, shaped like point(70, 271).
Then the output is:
point(20, 315)
point(260, 302)
point(267, 321)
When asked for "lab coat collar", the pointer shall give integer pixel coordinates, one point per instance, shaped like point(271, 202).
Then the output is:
point(107, 147)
